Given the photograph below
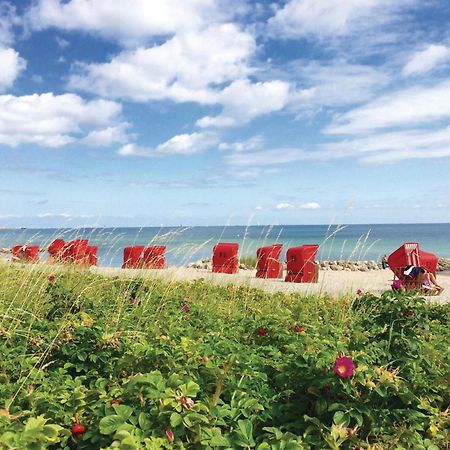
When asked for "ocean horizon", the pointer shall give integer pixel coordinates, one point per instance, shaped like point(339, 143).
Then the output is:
point(189, 244)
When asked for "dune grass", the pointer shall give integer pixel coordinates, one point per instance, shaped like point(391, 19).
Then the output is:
point(145, 363)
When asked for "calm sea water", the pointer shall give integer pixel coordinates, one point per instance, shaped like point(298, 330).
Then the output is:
point(184, 245)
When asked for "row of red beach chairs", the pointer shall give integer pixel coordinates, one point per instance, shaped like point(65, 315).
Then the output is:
point(77, 251)
point(300, 261)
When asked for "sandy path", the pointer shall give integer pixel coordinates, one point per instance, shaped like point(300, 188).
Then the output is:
point(332, 282)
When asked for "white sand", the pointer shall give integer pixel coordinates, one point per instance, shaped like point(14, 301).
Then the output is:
point(332, 282)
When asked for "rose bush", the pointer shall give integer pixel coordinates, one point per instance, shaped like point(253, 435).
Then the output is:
point(82, 367)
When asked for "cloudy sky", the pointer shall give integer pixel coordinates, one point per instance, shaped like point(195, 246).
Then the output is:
point(149, 112)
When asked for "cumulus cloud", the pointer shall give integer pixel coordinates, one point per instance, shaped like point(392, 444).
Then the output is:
point(184, 68)
point(11, 66)
point(406, 107)
point(132, 21)
point(104, 137)
point(182, 144)
point(328, 18)
point(425, 60)
point(52, 120)
point(243, 100)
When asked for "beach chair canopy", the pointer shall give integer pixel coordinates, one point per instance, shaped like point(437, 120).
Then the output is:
point(132, 257)
point(300, 264)
point(225, 257)
point(268, 264)
point(154, 257)
point(409, 254)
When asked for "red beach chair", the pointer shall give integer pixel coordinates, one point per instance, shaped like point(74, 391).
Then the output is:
point(56, 248)
point(409, 254)
point(91, 255)
point(32, 253)
point(132, 257)
point(75, 251)
point(18, 253)
point(154, 257)
point(268, 264)
point(225, 258)
point(300, 264)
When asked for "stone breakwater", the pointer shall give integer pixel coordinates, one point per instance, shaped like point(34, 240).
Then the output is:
point(349, 266)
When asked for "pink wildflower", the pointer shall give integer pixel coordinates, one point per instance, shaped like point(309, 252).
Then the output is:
point(185, 308)
point(261, 331)
point(51, 278)
point(344, 367)
point(299, 329)
point(170, 435)
point(133, 299)
point(359, 292)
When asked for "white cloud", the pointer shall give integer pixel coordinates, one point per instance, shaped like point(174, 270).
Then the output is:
point(243, 101)
point(329, 18)
point(52, 120)
point(106, 136)
point(185, 68)
point(407, 107)
point(391, 147)
point(131, 21)
point(310, 205)
point(11, 66)
point(182, 144)
point(425, 60)
point(8, 18)
point(266, 157)
point(255, 142)
point(284, 205)
point(336, 83)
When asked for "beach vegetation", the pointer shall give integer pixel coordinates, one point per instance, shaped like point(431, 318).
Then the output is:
point(95, 362)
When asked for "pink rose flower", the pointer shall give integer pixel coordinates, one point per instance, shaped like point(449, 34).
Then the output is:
point(344, 367)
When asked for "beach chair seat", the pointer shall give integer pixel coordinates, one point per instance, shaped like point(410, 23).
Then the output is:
point(132, 257)
point(154, 257)
point(91, 254)
point(225, 258)
point(268, 264)
point(300, 264)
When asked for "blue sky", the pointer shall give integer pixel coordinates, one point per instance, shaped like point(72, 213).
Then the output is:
point(150, 112)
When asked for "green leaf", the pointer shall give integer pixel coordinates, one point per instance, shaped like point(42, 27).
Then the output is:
point(144, 421)
point(190, 389)
point(110, 424)
point(123, 411)
point(175, 420)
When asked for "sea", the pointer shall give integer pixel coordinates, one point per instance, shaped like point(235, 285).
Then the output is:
point(191, 244)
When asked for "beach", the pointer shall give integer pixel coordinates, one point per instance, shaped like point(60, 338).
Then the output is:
point(334, 283)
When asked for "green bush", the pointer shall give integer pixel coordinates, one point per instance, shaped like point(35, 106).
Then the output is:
point(147, 364)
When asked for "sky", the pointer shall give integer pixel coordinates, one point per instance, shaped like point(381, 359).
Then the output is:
point(221, 112)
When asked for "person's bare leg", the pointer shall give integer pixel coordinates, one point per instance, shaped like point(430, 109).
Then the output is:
point(432, 279)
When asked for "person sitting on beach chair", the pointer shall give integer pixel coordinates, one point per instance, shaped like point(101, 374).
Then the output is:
point(426, 281)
